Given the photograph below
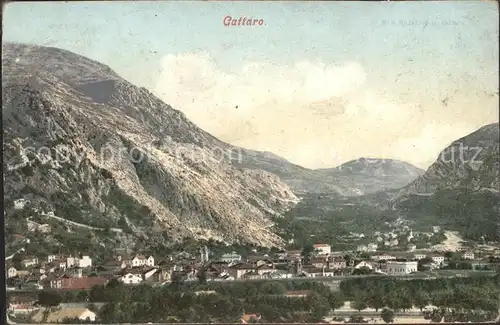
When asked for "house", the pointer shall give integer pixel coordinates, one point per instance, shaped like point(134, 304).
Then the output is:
point(437, 259)
point(22, 304)
point(336, 263)
point(164, 275)
point(237, 270)
point(322, 249)
point(84, 262)
point(30, 261)
point(78, 283)
point(383, 257)
point(372, 247)
point(137, 261)
point(468, 255)
point(298, 294)
point(231, 258)
point(253, 275)
point(293, 254)
point(264, 268)
point(61, 264)
point(400, 268)
point(362, 248)
point(363, 264)
point(51, 258)
point(280, 274)
point(419, 256)
point(71, 261)
point(318, 262)
point(149, 272)
point(312, 272)
point(150, 261)
point(411, 247)
point(131, 278)
point(394, 242)
point(22, 309)
point(11, 272)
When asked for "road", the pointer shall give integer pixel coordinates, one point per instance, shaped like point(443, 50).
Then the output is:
point(81, 225)
point(22, 249)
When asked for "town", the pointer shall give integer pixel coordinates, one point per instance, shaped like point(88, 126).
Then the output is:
point(76, 273)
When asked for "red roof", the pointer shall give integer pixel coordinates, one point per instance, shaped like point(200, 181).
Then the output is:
point(321, 245)
point(82, 283)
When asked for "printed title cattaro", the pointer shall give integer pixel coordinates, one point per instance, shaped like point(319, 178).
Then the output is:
point(242, 21)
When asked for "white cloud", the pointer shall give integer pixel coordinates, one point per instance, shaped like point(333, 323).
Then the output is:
point(312, 113)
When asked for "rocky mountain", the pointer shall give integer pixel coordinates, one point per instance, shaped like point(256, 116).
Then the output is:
point(469, 162)
point(461, 189)
point(91, 148)
point(370, 175)
point(300, 179)
point(356, 177)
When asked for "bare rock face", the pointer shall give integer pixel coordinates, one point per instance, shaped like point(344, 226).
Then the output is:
point(471, 161)
point(84, 143)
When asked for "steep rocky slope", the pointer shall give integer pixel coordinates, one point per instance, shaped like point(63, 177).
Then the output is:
point(471, 161)
point(82, 142)
point(461, 189)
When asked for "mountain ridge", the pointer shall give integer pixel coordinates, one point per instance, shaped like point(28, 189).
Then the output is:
point(69, 102)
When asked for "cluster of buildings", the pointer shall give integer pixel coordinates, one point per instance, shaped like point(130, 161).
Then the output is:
point(82, 272)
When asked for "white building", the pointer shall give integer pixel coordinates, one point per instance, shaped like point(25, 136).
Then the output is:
point(468, 256)
point(322, 249)
point(231, 257)
point(437, 259)
point(383, 257)
point(71, 261)
point(131, 278)
point(31, 261)
point(363, 264)
point(419, 256)
point(149, 273)
point(20, 203)
point(11, 272)
point(362, 248)
point(401, 268)
point(85, 262)
point(150, 261)
point(51, 258)
point(372, 247)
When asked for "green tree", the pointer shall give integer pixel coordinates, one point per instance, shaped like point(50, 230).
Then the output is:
point(336, 300)
point(387, 315)
point(202, 276)
point(421, 299)
point(359, 303)
point(48, 298)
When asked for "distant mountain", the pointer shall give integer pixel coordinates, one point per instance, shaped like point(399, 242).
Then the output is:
point(461, 189)
point(133, 162)
point(370, 175)
point(299, 179)
point(356, 177)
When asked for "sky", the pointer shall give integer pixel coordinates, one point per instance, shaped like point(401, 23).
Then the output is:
point(318, 83)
